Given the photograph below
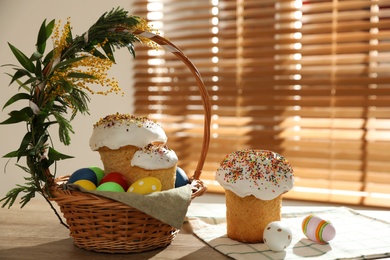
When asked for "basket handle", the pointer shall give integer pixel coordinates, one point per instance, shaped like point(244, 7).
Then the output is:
point(169, 46)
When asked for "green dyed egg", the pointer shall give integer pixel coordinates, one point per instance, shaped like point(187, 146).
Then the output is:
point(110, 186)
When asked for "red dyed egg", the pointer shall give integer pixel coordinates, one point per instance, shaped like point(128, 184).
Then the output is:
point(117, 178)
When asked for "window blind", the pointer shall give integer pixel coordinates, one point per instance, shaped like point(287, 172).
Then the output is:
point(307, 79)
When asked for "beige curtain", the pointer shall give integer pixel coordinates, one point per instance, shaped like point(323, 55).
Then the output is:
point(307, 79)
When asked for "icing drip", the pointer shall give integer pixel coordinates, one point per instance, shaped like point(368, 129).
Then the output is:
point(118, 130)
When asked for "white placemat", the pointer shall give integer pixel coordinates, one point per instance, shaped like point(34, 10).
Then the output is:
point(357, 236)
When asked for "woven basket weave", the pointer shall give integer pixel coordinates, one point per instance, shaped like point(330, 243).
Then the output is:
point(101, 224)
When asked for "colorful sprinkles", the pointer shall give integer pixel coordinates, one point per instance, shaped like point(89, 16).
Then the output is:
point(160, 151)
point(111, 120)
point(262, 169)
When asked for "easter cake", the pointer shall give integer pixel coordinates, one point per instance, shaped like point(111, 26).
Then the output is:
point(155, 161)
point(134, 146)
point(254, 181)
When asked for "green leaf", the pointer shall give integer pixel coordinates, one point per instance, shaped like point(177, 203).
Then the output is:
point(25, 142)
point(96, 53)
point(36, 150)
point(18, 74)
point(23, 153)
point(43, 35)
point(68, 87)
point(16, 97)
point(56, 156)
point(22, 58)
point(30, 193)
point(60, 108)
point(41, 41)
point(79, 101)
point(109, 52)
point(69, 38)
point(80, 75)
point(131, 49)
point(11, 154)
point(64, 128)
point(9, 65)
point(18, 116)
point(49, 28)
point(68, 62)
point(36, 56)
point(38, 68)
point(25, 85)
point(29, 81)
point(13, 194)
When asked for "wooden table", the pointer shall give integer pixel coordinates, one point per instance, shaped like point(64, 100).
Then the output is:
point(34, 232)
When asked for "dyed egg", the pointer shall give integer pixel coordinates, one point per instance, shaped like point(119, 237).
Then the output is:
point(317, 229)
point(181, 178)
point(83, 174)
point(277, 236)
point(145, 185)
point(117, 178)
point(99, 173)
point(110, 186)
point(86, 184)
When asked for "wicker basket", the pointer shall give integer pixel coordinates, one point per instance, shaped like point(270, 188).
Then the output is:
point(101, 224)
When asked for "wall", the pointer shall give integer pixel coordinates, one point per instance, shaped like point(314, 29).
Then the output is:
point(19, 24)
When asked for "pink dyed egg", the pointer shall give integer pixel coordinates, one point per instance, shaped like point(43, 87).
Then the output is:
point(317, 229)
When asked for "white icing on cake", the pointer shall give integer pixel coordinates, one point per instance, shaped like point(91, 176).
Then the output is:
point(115, 131)
point(154, 158)
point(261, 173)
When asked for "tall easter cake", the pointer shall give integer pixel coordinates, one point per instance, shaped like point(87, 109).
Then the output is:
point(135, 147)
point(254, 181)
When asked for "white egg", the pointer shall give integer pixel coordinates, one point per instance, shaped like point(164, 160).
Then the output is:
point(277, 236)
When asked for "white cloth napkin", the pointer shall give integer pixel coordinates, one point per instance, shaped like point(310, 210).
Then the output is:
point(357, 236)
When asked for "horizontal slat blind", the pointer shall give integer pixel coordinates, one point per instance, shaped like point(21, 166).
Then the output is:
point(165, 89)
point(307, 79)
point(341, 45)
